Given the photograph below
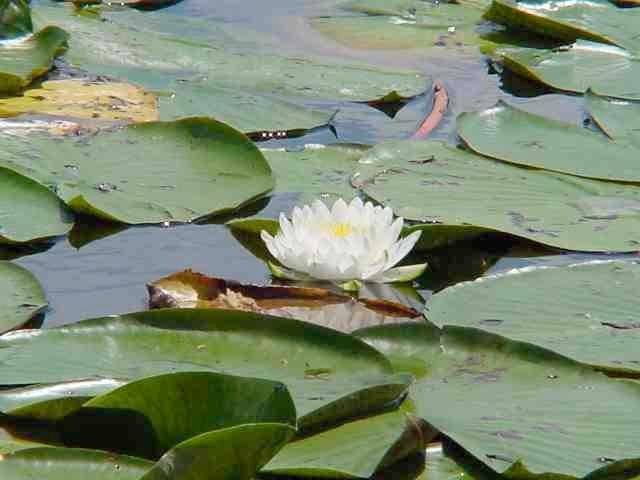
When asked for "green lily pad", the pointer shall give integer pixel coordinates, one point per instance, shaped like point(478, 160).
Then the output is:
point(55, 401)
point(15, 18)
point(235, 453)
point(146, 173)
point(596, 20)
point(330, 375)
point(22, 296)
point(511, 135)
point(618, 119)
point(408, 347)
point(458, 188)
point(353, 450)
point(584, 312)
point(29, 211)
point(243, 84)
point(315, 171)
point(402, 24)
point(148, 417)
point(521, 410)
point(605, 69)
point(71, 464)
point(22, 61)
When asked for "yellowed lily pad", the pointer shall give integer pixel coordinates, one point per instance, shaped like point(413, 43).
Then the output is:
point(190, 289)
point(117, 101)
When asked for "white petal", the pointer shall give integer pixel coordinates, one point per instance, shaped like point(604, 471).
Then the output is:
point(285, 273)
point(402, 248)
point(400, 274)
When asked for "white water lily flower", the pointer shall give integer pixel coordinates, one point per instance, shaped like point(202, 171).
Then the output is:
point(355, 242)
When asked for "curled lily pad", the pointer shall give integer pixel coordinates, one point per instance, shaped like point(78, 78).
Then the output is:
point(604, 69)
point(101, 100)
point(148, 417)
point(585, 312)
point(174, 171)
point(458, 188)
point(29, 211)
point(15, 18)
point(23, 60)
point(596, 20)
point(353, 450)
point(511, 135)
point(21, 297)
point(330, 375)
point(189, 289)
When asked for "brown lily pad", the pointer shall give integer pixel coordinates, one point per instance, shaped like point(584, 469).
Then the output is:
point(320, 306)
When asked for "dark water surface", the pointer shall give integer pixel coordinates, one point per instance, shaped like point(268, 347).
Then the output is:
point(108, 276)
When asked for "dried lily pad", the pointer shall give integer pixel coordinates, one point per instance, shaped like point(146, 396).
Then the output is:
point(101, 100)
point(22, 61)
point(189, 289)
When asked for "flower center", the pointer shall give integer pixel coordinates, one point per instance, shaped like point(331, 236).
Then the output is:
point(340, 229)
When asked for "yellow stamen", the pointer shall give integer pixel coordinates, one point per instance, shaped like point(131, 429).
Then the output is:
point(341, 229)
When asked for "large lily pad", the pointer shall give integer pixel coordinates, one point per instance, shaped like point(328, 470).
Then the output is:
point(15, 18)
point(511, 135)
point(21, 298)
point(585, 312)
point(85, 99)
point(22, 61)
point(457, 188)
point(605, 69)
point(29, 211)
point(146, 173)
point(596, 20)
point(235, 453)
point(320, 306)
point(71, 464)
point(525, 412)
point(618, 119)
point(353, 450)
point(330, 375)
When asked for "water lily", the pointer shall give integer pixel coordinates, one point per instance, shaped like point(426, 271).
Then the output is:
point(348, 244)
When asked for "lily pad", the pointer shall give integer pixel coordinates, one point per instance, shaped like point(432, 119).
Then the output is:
point(521, 410)
point(146, 173)
point(71, 464)
point(15, 18)
point(511, 135)
point(22, 296)
point(148, 417)
point(618, 119)
point(142, 4)
point(101, 100)
point(605, 69)
point(235, 453)
point(29, 211)
point(22, 61)
point(402, 24)
point(189, 289)
point(459, 188)
point(353, 450)
point(585, 312)
point(330, 375)
point(596, 20)
point(316, 171)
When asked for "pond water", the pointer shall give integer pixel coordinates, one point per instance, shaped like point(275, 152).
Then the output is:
point(108, 275)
